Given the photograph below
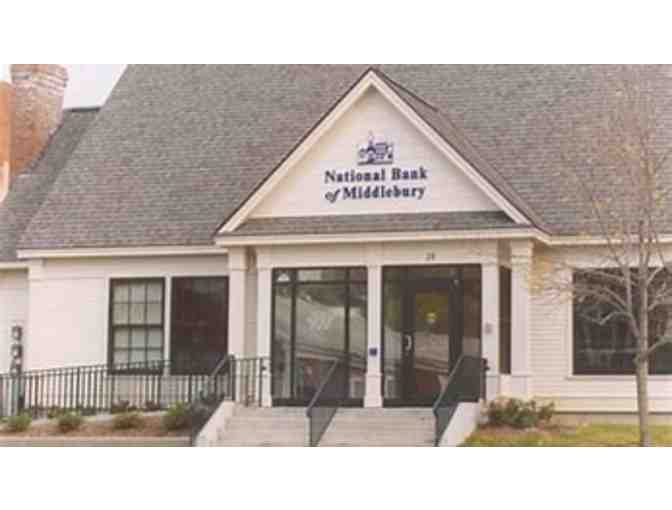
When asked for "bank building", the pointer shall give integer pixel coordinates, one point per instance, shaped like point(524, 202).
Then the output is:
point(347, 242)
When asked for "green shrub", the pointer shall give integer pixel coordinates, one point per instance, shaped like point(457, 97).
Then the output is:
point(128, 421)
point(16, 424)
point(546, 413)
point(69, 422)
point(123, 406)
point(177, 417)
point(55, 412)
point(518, 414)
point(152, 407)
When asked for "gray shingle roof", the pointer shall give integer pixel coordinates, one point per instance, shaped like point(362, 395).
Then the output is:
point(178, 148)
point(31, 187)
point(372, 223)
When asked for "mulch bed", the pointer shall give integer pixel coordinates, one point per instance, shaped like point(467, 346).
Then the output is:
point(152, 428)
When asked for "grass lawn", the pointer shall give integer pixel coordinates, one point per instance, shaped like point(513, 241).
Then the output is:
point(554, 436)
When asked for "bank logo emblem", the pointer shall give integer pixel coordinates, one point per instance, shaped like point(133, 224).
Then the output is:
point(375, 152)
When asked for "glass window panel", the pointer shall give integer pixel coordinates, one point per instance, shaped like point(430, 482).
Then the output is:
point(138, 313)
point(601, 348)
point(155, 292)
point(138, 356)
point(320, 335)
point(322, 275)
point(358, 340)
point(358, 275)
point(121, 339)
point(138, 338)
point(434, 342)
point(132, 302)
point(154, 355)
point(120, 357)
point(394, 273)
point(284, 276)
point(155, 338)
point(434, 273)
point(138, 292)
point(505, 320)
point(472, 324)
point(120, 314)
point(121, 293)
point(199, 336)
point(282, 348)
point(309, 332)
point(393, 325)
point(154, 313)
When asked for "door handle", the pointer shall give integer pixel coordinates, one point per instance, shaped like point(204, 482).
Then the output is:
point(408, 343)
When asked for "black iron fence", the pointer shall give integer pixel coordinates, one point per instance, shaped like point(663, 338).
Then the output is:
point(466, 384)
point(326, 402)
point(102, 389)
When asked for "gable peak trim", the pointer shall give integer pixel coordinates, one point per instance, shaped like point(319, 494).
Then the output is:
point(376, 79)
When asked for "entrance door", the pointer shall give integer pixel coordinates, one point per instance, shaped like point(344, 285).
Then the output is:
point(431, 317)
point(430, 345)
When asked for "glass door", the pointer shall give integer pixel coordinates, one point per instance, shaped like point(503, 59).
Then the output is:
point(431, 316)
point(430, 346)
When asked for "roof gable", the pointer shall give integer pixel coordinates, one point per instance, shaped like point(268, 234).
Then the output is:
point(302, 185)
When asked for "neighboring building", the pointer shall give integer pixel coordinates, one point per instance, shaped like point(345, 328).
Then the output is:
point(392, 215)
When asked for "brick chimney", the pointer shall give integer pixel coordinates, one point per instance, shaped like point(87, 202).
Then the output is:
point(5, 136)
point(37, 103)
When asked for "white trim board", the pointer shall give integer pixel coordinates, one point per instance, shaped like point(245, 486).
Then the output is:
point(12, 266)
point(160, 251)
point(466, 235)
point(368, 81)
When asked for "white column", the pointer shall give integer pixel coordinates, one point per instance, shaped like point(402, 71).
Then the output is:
point(491, 303)
point(521, 305)
point(264, 301)
point(237, 301)
point(374, 397)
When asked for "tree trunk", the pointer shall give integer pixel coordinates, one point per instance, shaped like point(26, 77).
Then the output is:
point(642, 361)
point(643, 403)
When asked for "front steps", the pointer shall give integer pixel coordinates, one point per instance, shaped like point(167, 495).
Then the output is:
point(381, 428)
point(265, 427)
point(288, 427)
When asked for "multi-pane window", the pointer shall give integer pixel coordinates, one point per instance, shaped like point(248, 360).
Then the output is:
point(136, 322)
point(199, 324)
point(603, 341)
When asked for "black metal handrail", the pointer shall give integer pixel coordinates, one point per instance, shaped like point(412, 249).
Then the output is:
point(101, 389)
point(326, 402)
point(220, 385)
point(466, 383)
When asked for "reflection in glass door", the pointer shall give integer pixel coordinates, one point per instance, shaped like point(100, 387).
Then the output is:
point(427, 352)
point(319, 317)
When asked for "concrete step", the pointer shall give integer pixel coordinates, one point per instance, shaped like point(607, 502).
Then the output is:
point(235, 443)
point(381, 428)
point(259, 412)
point(262, 427)
point(411, 412)
point(289, 427)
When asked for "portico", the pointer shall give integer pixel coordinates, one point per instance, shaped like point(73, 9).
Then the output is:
point(401, 313)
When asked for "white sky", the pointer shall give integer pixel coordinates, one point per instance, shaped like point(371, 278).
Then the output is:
point(89, 85)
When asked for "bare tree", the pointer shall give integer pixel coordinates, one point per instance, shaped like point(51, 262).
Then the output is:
point(616, 150)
